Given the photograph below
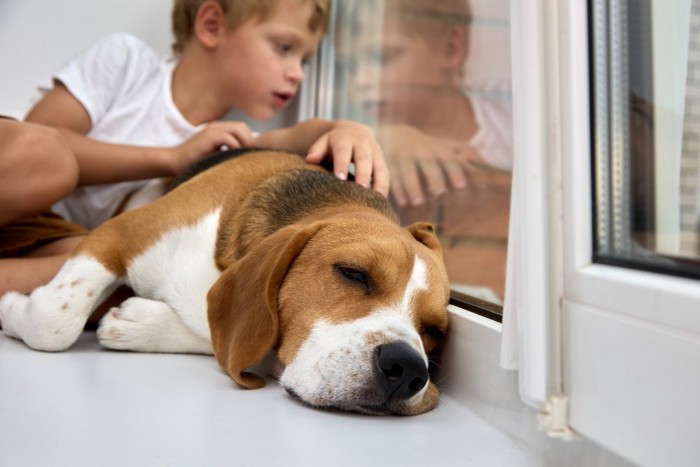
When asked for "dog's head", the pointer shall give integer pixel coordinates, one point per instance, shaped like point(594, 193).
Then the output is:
point(353, 305)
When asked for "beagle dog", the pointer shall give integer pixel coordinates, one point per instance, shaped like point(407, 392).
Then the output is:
point(261, 252)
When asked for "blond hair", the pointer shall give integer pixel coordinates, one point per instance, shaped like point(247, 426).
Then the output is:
point(428, 18)
point(237, 13)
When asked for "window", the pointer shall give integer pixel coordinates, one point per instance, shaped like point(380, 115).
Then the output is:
point(433, 80)
point(601, 121)
point(647, 124)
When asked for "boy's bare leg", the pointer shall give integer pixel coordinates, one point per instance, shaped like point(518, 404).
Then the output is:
point(36, 169)
point(37, 268)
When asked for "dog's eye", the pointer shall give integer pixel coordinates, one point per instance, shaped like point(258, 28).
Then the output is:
point(433, 332)
point(431, 337)
point(354, 275)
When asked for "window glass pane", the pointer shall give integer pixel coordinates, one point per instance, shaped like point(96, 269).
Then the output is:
point(647, 133)
point(433, 79)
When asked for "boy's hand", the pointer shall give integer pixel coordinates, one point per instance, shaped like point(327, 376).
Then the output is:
point(212, 138)
point(350, 141)
point(411, 152)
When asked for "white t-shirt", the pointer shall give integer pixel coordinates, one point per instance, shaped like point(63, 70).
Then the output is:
point(125, 86)
point(494, 138)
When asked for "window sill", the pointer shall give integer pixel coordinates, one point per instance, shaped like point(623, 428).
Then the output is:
point(117, 408)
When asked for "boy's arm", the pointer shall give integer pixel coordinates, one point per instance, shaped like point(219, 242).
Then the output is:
point(101, 162)
point(345, 140)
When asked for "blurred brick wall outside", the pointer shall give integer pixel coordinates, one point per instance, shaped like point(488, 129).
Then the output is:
point(472, 224)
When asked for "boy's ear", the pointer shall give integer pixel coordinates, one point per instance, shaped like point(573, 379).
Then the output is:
point(209, 23)
point(455, 47)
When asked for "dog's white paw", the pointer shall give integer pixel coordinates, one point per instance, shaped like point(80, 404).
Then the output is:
point(143, 325)
point(137, 324)
point(12, 305)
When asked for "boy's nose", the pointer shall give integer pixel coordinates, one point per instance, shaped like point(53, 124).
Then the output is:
point(365, 74)
point(295, 73)
point(366, 82)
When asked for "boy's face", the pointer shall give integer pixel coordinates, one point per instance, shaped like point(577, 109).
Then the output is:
point(260, 63)
point(397, 75)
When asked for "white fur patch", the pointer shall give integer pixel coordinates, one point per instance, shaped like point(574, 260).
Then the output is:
point(179, 269)
point(143, 325)
point(417, 282)
point(53, 316)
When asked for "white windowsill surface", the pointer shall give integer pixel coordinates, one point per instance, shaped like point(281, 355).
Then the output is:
point(90, 406)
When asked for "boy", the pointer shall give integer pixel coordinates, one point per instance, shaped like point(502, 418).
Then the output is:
point(127, 115)
point(409, 78)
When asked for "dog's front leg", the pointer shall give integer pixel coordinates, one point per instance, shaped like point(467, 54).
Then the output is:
point(144, 325)
point(52, 317)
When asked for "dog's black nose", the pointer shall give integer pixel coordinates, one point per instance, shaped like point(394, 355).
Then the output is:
point(400, 371)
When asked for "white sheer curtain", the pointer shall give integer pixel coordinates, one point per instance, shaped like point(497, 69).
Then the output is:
point(527, 341)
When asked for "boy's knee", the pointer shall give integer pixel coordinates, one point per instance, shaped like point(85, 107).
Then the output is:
point(52, 158)
point(38, 169)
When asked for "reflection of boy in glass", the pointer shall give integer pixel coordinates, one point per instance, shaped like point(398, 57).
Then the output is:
point(409, 77)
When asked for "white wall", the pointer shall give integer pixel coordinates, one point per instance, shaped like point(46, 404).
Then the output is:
point(37, 36)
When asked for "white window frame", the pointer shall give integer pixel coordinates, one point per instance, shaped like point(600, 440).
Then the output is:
point(622, 346)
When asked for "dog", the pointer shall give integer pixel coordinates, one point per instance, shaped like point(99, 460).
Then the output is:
point(256, 252)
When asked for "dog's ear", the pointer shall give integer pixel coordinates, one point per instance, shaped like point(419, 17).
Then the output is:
point(424, 232)
point(242, 304)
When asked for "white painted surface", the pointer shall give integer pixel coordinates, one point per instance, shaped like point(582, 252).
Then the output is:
point(89, 406)
point(471, 374)
point(633, 385)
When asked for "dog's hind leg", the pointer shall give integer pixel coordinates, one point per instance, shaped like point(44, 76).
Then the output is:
point(144, 325)
point(52, 317)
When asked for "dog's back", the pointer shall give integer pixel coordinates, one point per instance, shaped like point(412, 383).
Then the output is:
point(290, 191)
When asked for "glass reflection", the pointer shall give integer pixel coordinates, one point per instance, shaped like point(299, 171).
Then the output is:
point(433, 79)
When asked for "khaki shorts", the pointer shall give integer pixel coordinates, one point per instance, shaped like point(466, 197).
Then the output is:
point(20, 237)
